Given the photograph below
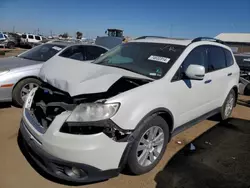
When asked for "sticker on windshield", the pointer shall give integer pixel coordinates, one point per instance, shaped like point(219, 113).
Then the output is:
point(56, 48)
point(159, 58)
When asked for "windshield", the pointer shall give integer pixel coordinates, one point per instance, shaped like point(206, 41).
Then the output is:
point(149, 59)
point(42, 52)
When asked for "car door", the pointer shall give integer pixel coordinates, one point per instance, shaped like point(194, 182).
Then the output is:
point(192, 96)
point(218, 73)
point(31, 38)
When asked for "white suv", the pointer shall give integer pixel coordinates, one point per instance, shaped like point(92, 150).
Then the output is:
point(30, 39)
point(88, 120)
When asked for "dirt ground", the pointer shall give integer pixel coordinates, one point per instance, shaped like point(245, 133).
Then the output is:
point(16, 172)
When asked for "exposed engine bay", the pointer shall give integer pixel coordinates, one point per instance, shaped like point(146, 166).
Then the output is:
point(49, 102)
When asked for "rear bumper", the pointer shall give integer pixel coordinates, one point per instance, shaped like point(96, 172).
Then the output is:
point(57, 167)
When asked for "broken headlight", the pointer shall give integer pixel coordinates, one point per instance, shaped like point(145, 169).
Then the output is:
point(93, 118)
point(89, 112)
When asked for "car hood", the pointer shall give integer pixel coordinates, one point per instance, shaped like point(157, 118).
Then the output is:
point(15, 62)
point(77, 77)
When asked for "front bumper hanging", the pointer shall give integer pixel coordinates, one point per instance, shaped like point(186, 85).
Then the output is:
point(61, 169)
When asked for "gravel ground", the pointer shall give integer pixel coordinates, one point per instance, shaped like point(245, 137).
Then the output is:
point(16, 172)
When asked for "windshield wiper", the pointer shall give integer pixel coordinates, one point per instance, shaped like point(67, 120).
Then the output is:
point(31, 59)
point(24, 57)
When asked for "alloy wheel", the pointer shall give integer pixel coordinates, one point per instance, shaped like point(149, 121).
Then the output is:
point(229, 105)
point(26, 90)
point(150, 146)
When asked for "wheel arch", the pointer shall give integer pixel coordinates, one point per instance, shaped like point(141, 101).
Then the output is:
point(23, 78)
point(235, 88)
point(165, 113)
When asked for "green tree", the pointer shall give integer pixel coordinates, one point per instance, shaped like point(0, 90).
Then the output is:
point(65, 35)
point(78, 35)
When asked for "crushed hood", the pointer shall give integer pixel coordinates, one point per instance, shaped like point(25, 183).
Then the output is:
point(77, 77)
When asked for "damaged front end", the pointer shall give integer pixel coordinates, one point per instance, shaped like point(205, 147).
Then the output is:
point(90, 114)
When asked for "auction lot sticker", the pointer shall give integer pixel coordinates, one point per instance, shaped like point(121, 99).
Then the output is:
point(159, 59)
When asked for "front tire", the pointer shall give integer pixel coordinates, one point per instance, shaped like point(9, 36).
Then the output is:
point(149, 146)
point(228, 105)
point(22, 89)
point(10, 45)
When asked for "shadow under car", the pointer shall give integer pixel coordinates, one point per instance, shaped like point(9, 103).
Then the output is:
point(220, 159)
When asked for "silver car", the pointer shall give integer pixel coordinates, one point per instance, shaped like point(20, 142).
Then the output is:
point(19, 74)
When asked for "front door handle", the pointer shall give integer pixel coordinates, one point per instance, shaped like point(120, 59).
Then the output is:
point(229, 74)
point(208, 81)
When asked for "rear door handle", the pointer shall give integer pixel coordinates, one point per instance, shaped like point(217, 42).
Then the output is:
point(208, 81)
point(229, 74)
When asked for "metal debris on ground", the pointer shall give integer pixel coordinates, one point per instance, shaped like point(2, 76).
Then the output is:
point(209, 143)
point(192, 147)
point(179, 142)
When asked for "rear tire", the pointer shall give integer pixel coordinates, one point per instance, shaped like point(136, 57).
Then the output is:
point(21, 87)
point(10, 45)
point(140, 160)
point(247, 90)
point(228, 106)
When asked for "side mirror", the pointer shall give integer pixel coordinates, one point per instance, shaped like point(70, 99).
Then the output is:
point(195, 72)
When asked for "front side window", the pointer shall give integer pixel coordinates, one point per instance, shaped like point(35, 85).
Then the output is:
point(198, 56)
point(24, 36)
point(93, 52)
point(42, 52)
point(1, 36)
point(149, 59)
point(74, 52)
point(216, 58)
point(31, 37)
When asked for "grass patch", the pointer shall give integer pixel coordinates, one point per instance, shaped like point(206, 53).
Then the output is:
point(2, 52)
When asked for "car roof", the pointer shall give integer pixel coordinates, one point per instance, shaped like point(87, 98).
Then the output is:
point(242, 54)
point(183, 42)
point(67, 44)
point(180, 41)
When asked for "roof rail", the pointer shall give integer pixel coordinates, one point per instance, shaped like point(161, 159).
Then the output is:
point(144, 37)
point(207, 39)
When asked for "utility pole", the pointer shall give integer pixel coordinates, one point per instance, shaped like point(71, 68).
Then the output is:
point(38, 31)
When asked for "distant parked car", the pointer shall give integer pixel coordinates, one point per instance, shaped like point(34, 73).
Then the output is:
point(9, 40)
point(243, 60)
point(31, 40)
point(18, 75)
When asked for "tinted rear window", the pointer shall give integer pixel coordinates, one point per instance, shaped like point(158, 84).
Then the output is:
point(229, 57)
point(93, 52)
point(37, 38)
point(24, 36)
point(31, 37)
